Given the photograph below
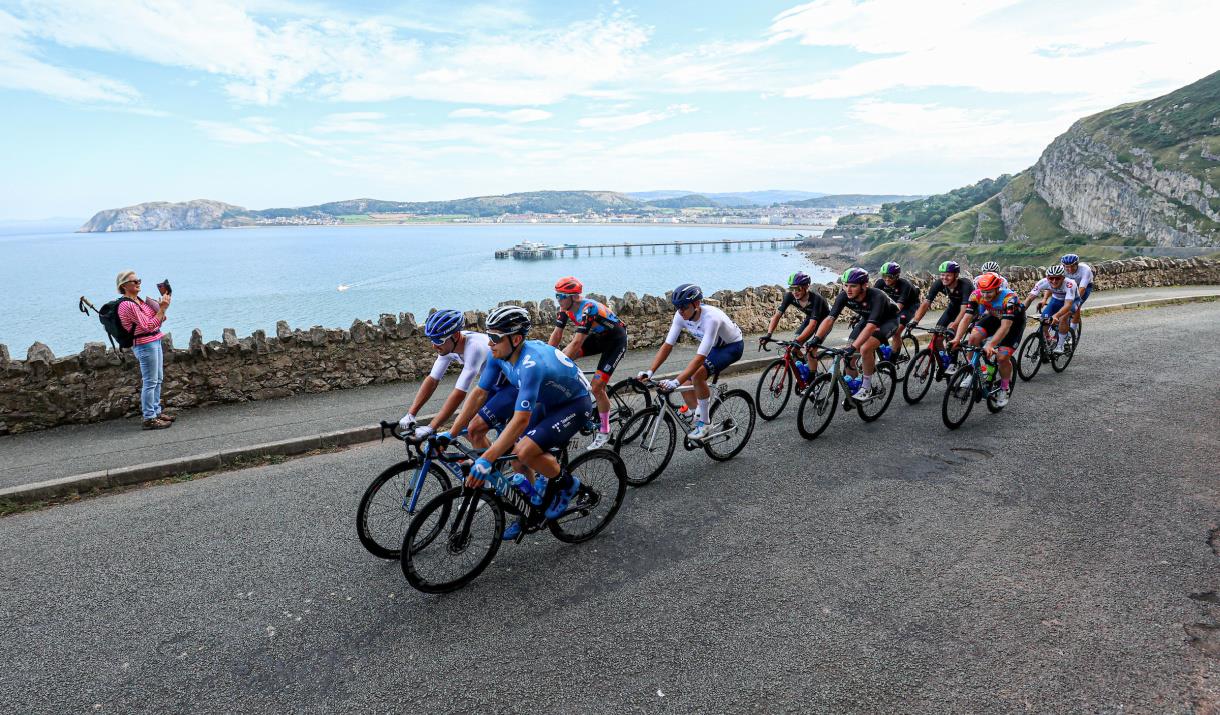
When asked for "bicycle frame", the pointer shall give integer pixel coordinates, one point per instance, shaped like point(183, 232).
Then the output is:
point(790, 356)
point(993, 386)
point(667, 407)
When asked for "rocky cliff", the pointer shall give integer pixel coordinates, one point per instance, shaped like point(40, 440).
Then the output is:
point(161, 216)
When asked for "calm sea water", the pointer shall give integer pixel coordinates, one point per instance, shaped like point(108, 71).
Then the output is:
point(248, 279)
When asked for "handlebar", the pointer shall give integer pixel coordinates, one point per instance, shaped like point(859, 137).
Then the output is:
point(764, 342)
point(935, 330)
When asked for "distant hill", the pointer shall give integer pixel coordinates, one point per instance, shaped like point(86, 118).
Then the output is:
point(161, 216)
point(834, 201)
point(738, 198)
point(687, 201)
point(933, 210)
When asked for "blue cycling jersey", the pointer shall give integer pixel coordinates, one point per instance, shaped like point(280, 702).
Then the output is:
point(542, 375)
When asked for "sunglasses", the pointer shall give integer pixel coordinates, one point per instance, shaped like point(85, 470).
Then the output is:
point(562, 296)
point(497, 337)
point(440, 341)
point(1054, 279)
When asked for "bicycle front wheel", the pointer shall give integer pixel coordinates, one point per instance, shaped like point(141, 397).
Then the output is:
point(883, 385)
point(920, 374)
point(648, 453)
point(1029, 357)
point(773, 390)
point(958, 400)
point(906, 353)
point(731, 427)
point(603, 484)
point(390, 501)
point(627, 398)
point(466, 526)
point(818, 406)
point(1060, 361)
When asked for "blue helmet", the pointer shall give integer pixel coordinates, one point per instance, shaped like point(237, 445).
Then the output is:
point(443, 323)
point(855, 275)
point(800, 278)
point(1069, 259)
point(685, 294)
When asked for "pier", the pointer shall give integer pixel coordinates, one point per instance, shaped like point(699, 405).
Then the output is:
point(528, 250)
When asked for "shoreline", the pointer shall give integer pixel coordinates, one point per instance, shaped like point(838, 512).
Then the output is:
point(792, 227)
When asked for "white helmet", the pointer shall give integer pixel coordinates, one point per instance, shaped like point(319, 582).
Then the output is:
point(990, 267)
point(1056, 270)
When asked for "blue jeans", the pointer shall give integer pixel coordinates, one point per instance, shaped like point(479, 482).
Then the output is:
point(152, 372)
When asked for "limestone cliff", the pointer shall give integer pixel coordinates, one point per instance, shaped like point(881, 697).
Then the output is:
point(161, 216)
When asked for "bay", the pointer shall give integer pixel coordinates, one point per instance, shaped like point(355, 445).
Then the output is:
point(247, 279)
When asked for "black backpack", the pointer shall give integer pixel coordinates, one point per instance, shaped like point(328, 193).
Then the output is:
point(109, 317)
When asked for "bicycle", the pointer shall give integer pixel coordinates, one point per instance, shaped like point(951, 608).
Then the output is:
point(984, 385)
point(906, 353)
point(457, 533)
point(1038, 347)
point(648, 441)
point(819, 402)
point(931, 364)
point(627, 397)
point(783, 375)
point(390, 502)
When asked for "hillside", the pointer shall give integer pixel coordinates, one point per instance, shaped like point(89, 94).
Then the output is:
point(933, 210)
point(739, 198)
point(161, 216)
point(834, 201)
point(1145, 174)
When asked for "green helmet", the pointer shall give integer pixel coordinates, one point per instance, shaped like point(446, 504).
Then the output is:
point(891, 269)
point(855, 275)
point(950, 267)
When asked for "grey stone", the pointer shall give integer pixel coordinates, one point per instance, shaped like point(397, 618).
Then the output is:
point(196, 345)
point(229, 337)
point(282, 331)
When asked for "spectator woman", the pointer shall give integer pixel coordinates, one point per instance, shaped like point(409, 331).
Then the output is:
point(142, 317)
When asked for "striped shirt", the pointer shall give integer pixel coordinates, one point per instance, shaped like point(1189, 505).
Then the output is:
point(141, 318)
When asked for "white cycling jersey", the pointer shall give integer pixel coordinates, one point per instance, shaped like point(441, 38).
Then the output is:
point(1065, 292)
point(713, 329)
point(1083, 276)
point(472, 359)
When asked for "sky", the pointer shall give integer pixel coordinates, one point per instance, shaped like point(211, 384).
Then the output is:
point(270, 103)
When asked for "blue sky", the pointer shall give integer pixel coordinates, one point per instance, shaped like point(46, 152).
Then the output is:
point(266, 103)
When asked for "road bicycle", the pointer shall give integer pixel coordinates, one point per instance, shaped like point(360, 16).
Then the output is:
point(820, 400)
point(1039, 347)
point(627, 398)
point(978, 380)
point(784, 375)
point(931, 364)
point(647, 442)
point(908, 349)
point(457, 533)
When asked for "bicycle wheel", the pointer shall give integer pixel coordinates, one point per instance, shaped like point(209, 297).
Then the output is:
point(603, 484)
point(1029, 357)
point(958, 400)
point(467, 526)
point(1060, 361)
point(647, 455)
point(732, 424)
point(383, 514)
point(920, 374)
point(906, 353)
point(627, 398)
point(883, 385)
point(992, 407)
point(817, 406)
point(825, 362)
point(773, 389)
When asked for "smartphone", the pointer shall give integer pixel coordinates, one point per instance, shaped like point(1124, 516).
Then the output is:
point(165, 288)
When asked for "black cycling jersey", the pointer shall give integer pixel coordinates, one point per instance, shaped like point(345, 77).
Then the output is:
point(957, 292)
point(874, 306)
point(816, 309)
point(904, 291)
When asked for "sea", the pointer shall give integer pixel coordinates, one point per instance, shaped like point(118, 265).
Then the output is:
point(248, 279)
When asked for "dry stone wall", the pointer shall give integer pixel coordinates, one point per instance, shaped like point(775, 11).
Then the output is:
point(96, 384)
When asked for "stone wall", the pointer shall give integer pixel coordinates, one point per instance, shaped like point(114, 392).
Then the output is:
point(98, 384)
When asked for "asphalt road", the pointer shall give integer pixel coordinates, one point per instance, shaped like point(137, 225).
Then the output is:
point(1042, 559)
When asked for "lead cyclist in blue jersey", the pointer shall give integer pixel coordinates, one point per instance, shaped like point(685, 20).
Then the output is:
point(542, 401)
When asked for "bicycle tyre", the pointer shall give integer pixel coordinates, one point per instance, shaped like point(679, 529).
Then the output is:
point(820, 401)
point(450, 504)
point(1029, 357)
point(886, 374)
point(641, 471)
point(908, 350)
point(610, 484)
point(717, 450)
point(953, 394)
point(766, 394)
point(923, 370)
point(992, 407)
point(1060, 361)
point(627, 397)
point(385, 542)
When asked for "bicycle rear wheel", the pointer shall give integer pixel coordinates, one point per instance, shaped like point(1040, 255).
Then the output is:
point(603, 484)
point(1029, 357)
point(383, 514)
point(733, 415)
point(1060, 361)
point(883, 385)
point(958, 400)
point(627, 398)
point(920, 374)
point(817, 406)
point(647, 455)
point(466, 527)
point(906, 353)
point(773, 389)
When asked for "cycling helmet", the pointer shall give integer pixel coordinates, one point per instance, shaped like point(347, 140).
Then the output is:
point(509, 320)
point(686, 294)
point(798, 279)
point(987, 282)
point(990, 267)
point(891, 269)
point(569, 285)
point(1069, 258)
point(1055, 270)
point(950, 267)
point(855, 275)
point(443, 323)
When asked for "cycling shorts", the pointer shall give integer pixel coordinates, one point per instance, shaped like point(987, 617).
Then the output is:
point(611, 345)
point(1081, 299)
point(883, 333)
point(990, 325)
point(557, 424)
point(949, 316)
point(720, 358)
point(905, 315)
point(1052, 307)
point(498, 409)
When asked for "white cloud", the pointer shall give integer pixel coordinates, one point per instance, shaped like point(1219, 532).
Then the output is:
point(517, 116)
point(351, 123)
point(22, 69)
point(623, 122)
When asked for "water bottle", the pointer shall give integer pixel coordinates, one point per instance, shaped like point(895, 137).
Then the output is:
point(990, 372)
point(522, 484)
point(886, 352)
point(944, 358)
point(855, 382)
point(802, 370)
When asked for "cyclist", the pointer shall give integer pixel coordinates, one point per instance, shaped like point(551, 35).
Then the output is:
point(444, 329)
point(1082, 274)
point(598, 332)
point(720, 345)
point(808, 301)
point(1062, 293)
point(905, 294)
point(957, 289)
point(997, 313)
point(876, 321)
point(993, 267)
point(548, 402)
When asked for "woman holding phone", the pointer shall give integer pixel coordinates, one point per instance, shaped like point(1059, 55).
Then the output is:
point(142, 318)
